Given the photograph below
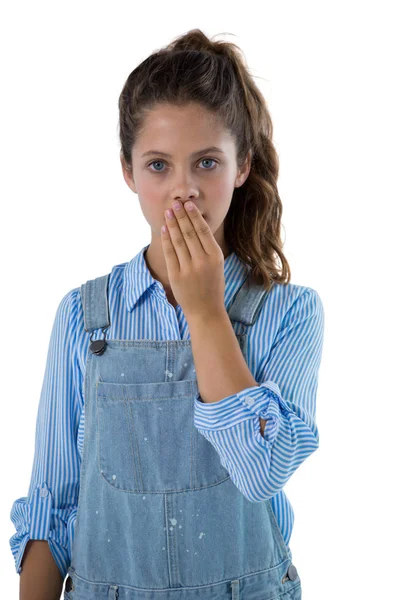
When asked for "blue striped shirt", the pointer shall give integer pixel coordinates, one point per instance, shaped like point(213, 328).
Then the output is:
point(284, 355)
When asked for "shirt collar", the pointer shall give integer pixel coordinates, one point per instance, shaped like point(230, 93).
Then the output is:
point(137, 278)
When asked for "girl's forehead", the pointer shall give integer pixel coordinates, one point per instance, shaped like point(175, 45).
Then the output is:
point(170, 114)
point(172, 127)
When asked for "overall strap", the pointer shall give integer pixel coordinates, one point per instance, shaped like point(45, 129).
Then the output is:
point(94, 294)
point(247, 302)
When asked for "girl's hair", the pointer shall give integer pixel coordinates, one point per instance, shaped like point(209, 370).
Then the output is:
point(193, 68)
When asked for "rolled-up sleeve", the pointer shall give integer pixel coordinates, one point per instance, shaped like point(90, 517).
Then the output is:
point(260, 465)
point(49, 509)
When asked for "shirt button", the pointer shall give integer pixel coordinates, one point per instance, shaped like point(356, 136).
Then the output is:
point(292, 572)
point(44, 492)
point(249, 400)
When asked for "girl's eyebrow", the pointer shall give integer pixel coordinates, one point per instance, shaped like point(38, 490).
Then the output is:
point(209, 149)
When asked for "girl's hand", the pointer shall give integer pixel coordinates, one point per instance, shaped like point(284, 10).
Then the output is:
point(195, 262)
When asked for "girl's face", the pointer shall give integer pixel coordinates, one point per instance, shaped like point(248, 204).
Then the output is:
point(172, 160)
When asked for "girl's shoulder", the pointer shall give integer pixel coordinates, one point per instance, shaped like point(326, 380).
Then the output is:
point(116, 273)
point(286, 295)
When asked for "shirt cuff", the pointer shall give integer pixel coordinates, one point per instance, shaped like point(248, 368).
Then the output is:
point(262, 400)
point(32, 518)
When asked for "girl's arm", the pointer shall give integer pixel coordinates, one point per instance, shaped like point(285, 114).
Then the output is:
point(285, 397)
point(46, 515)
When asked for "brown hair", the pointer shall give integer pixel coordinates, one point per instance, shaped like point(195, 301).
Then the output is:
point(193, 68)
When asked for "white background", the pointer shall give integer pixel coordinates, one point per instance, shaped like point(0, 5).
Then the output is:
point(330, 76)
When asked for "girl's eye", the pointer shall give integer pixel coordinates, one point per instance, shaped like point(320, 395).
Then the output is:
point(161, 161)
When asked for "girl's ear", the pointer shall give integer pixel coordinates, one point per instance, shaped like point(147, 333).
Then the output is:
point(127, 173)
point(243, 173)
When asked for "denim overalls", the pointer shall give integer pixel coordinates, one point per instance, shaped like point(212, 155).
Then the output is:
point(158, 515)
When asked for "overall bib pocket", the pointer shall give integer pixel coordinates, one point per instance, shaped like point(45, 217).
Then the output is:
point(147, 441)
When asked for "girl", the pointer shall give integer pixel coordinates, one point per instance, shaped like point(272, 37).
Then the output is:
point(180, 388)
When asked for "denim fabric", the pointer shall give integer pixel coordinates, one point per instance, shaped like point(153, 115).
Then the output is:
point(158, 515)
